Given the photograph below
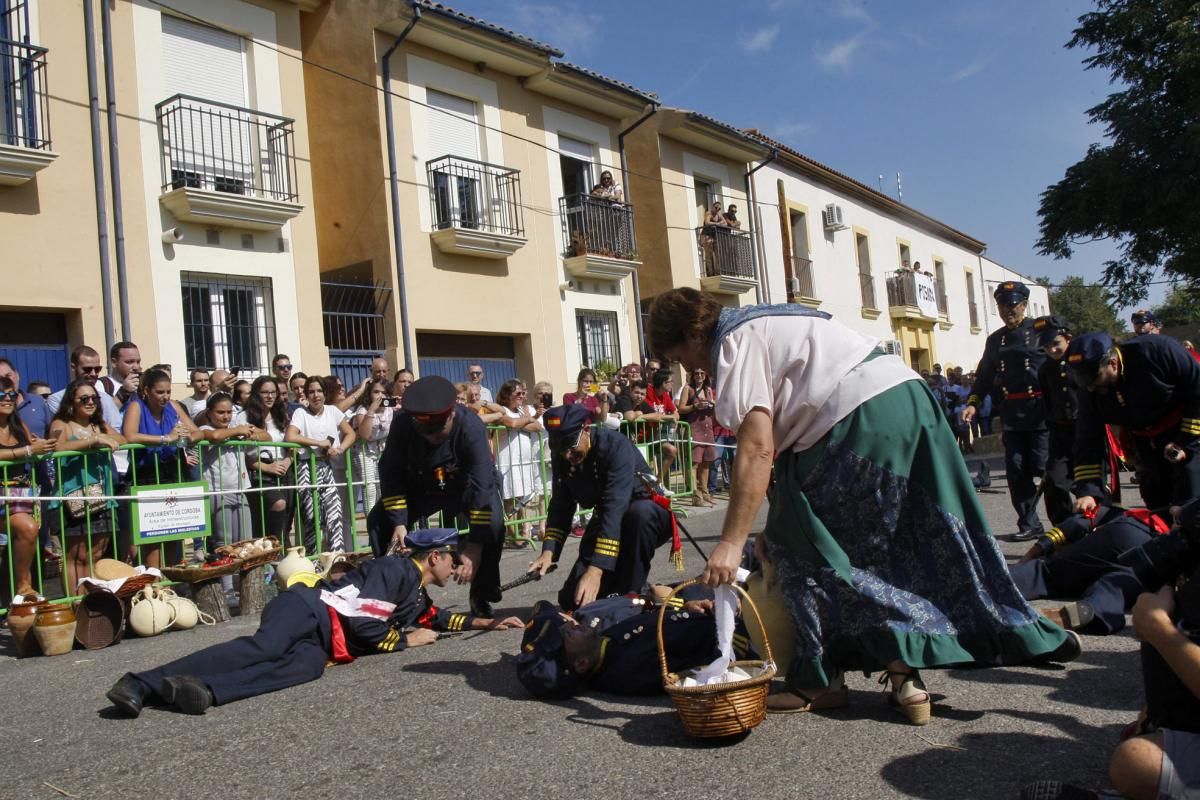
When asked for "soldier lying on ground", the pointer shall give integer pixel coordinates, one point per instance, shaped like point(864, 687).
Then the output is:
point(380, 607)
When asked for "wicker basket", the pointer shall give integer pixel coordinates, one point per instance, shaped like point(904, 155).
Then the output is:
point(259, 558)
point(133, 585)
point(723, 709)
point(200, 573)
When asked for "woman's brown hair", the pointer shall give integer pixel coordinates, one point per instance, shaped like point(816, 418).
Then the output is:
point(679, 315)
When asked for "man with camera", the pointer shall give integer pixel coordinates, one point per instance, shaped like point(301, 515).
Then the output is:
point(1150, 385)
point(437, 460)
point(1160, 757)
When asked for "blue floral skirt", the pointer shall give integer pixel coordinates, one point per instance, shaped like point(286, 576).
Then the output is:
point(883, 553)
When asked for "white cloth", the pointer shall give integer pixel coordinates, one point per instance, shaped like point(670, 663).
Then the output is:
point(224, 470)
point(117, 583)
point(321, 426)
point(272, 430)
point(347, 602)
point(517, 460)
point(807, 372)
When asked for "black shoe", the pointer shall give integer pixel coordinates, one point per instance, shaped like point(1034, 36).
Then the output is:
point(128, 695)
point(190, 695)
point(1066, 652)
point(481, 608)
point(1027, 535)
point(1077, 615)
point(983, 478)
point(1056, 790)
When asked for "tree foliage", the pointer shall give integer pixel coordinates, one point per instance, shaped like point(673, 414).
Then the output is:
point(1138, 189)
point(1086, 307)
point(1180, 307)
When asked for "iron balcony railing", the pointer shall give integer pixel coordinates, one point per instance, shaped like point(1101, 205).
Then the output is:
point(224, 148)
point(866, 285)
point(24, 111)
point(902, 289)
point(725, 251)
point(465, 193)
point(802, 274)
point(596, 225)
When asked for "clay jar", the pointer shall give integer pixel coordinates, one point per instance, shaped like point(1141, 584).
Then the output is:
point(54, 628)
point(187, 613)
point(292, 563)
point(150, 615)
point(21, 618)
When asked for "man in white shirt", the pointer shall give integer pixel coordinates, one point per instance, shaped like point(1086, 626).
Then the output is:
point(200, 392)
point(475, 378)
point(124, 373)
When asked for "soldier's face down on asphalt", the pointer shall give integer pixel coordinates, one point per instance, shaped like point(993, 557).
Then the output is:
point(1058, 347)
point(439, 566)
point(1012, 313)
point(581, 646)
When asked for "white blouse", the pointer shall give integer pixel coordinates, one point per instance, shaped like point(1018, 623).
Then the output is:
point(806, 372)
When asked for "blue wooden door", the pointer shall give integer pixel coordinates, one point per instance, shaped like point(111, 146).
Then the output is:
point(40, 362)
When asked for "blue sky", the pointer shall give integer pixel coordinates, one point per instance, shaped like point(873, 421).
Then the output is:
point(978, 104)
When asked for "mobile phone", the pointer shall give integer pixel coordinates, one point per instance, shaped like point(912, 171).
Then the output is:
point(386, 402)
point(594, 388)
point(547, 400)
point(234, 370)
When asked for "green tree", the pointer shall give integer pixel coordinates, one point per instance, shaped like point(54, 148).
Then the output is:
point(1139, 188)
point(1087, 307)
point(1180, 307)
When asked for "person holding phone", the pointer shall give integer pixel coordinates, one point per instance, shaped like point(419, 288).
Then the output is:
point(587, 394)
point(372, 420)
point(325, 434)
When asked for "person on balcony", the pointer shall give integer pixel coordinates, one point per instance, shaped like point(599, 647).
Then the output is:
point(731, 218)
point(714, 220)
point(608, 188)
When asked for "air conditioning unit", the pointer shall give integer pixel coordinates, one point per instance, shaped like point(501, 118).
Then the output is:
point(832, 218)
point(893, 347)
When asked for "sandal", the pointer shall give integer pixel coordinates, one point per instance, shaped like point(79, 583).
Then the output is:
point(905, 699)
point(793, 701)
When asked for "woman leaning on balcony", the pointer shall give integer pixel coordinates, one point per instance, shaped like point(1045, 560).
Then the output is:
point(79, 426)
point(875, 538)
point(19, 519)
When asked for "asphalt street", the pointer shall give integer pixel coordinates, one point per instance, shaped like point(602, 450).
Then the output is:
point(451, 721)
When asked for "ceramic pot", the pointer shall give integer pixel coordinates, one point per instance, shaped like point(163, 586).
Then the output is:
point(21, 619)
point(54, 628)
point(187, 613)
point(150, 615)
point(292, 563)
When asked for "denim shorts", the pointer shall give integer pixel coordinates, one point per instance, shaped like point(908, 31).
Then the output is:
point(1180, 776)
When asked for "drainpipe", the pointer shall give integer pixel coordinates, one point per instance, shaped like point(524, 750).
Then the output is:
point(637, 291)
point(759, 269)
point(394, 182)
point(89, 32)
point(114, 169)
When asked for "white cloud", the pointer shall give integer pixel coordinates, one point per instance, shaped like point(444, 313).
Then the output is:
point(569, 27)
point(760, 40)
point(970, 69)
point(840, 54)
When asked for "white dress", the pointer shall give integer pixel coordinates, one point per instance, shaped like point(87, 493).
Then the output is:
point(518, 457)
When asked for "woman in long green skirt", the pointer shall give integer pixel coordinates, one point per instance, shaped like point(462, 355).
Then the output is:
point(881, 550)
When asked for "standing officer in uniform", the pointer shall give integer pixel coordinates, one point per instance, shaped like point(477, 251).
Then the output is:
point(437, 459)
point(1150, 385)
point(368, 610)
point(1058, 400)
point(597, 468)
point(1011, 360)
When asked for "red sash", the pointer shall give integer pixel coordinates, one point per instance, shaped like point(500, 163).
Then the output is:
point(1151, 521)
point(676, 542)
point(339, 653)
point(1165, 424)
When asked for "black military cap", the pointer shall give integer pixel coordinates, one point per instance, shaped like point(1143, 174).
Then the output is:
point(1011, 292)
point(1086, 354)
point(1048, 328)
point(430, 400)
point(423, 539)
point(539, 666)
point(564, 424)
point(1144, 317)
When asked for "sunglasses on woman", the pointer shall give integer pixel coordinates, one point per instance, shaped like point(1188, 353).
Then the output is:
point(86, 399)
point(10, 395)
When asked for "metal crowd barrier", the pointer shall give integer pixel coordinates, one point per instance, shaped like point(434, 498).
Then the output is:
point(307, 503)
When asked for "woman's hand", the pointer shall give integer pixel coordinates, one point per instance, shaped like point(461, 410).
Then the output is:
point(40, 447)
point(104, 440)
point(722, 565)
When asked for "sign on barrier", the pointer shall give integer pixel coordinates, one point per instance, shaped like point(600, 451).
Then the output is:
point(167, 513)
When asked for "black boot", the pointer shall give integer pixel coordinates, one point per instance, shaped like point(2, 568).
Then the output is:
point(128, 695)
point(190, 695)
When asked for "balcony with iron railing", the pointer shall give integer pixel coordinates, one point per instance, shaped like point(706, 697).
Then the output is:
point(475, 207)
point(598, 239)
point(802, 288)
point(726, 259)
point(226, 166)
point(912, 295)
point(24, 113)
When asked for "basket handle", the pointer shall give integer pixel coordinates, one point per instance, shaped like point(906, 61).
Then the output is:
point(662, 651)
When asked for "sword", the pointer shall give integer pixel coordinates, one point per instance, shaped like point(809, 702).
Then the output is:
point(528, 577)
